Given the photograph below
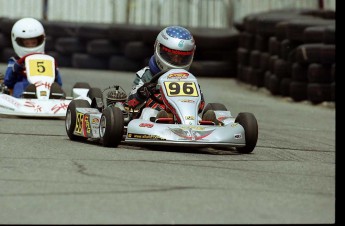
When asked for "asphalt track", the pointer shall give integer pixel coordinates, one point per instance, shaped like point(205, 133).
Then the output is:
point(288, 179)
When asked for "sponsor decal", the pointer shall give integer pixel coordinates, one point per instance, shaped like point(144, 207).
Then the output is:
point(144, 136)
point(180, 44)
point(187, 101)
point(10, 100)
point(201, 128)
point(79, 123)
point(187, 133)
point(87, 125)
point(234, 124)
point(165, 37)
point(178, 75)
point(31, 104)
point(189, 117)
point(45, 84)
point(148, 125)
point(95, 121)
point(186, 89)
point(43, 93)
point(238, 136)
point(177, 52)
point(56, 108)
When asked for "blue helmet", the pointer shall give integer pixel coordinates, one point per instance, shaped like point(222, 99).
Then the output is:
point(174, 48)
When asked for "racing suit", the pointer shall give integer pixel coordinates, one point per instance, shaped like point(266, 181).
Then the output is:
point(15, 77)
point(143, 76)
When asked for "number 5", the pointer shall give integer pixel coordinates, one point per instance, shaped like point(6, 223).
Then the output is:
point(40, 67)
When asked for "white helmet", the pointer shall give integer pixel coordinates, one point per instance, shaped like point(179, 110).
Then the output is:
point(171, 43)
point(27, 28)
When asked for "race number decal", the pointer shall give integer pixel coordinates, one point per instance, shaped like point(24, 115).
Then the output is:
point(181, 89)
point(79, 123)
point(41, 67)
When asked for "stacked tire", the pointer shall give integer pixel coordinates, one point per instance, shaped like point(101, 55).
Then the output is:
point(290, 53)
point(126, 47)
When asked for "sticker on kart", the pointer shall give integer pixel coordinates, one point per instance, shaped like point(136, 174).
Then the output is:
point(181, 89)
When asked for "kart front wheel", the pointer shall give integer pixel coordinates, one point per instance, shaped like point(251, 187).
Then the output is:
point(111, 127)
point(71, 118)
point(249, 123)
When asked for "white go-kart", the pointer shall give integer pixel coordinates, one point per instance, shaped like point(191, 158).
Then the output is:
point(43, 97)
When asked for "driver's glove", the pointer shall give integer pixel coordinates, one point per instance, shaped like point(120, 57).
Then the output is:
point(145, 90)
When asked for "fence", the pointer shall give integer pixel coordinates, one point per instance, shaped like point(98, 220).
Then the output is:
point(191, 13)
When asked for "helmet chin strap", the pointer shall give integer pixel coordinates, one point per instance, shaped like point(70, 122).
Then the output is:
point(153, 66)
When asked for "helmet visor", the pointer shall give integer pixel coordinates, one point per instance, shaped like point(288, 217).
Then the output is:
point(30, 42)
point(176, 57)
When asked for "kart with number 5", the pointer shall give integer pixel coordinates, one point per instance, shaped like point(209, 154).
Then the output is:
point(113, 123)
point(43, 97)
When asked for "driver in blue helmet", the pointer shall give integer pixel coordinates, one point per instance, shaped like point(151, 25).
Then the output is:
point(173, 49)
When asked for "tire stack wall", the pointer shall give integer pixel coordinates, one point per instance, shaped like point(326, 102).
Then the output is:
point(290, 53)
point(125, 47)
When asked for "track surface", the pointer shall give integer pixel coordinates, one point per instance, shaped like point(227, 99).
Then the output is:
point(289, 178)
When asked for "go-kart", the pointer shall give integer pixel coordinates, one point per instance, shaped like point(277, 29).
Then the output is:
point(43, 97)
point(113, 123)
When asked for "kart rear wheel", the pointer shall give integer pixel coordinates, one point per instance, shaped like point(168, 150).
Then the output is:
point(111, 127)
point(249, 123)
point(71, 118)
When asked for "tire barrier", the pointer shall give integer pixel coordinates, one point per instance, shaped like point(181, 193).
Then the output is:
point(126, 47)
point(293, 51)
point(289, 52)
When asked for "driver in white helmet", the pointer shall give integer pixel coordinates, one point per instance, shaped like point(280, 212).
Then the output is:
point(27, 37)
point(174, 48)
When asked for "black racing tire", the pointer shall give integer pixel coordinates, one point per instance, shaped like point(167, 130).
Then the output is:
point(254, 59)
point(210, 115)
point(215, 107)
point(319, 92)
point(251, 130)
point(319, 73)
point(298, 91)
point(102, 48)
point(274, 85)
point(243, 56)
point(264, 60)
point(273, 46)
point(284, 87)
point(83, 85)
point(71, 118)
point(111, 127)
point(56, 92)
point(282, 68)
point(299, 72)
point(87, 61)
point(257, 77)
point(95, 92)
point(69, 45)
point(261, 43)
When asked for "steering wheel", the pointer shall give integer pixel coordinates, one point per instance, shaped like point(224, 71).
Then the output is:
point(153, 80)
